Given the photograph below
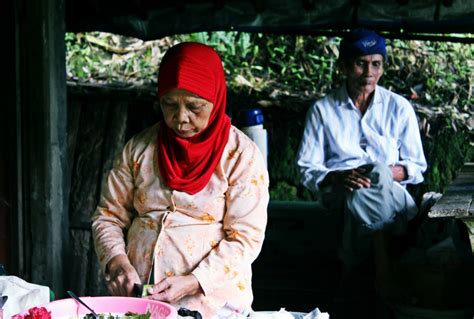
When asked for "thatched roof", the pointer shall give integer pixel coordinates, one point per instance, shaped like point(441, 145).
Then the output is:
point(154, 19)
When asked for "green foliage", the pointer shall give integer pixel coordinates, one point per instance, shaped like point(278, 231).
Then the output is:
point(258, 62)
point(447, 150)
point(284, 74)
point(283, 191)
point(434, 73)
point(103, 57)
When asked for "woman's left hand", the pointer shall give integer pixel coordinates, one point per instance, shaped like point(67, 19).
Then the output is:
point(172, 289)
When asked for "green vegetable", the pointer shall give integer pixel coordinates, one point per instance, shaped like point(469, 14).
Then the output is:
point(127, 315)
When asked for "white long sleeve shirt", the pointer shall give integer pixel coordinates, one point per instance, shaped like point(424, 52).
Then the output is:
point(337, 137)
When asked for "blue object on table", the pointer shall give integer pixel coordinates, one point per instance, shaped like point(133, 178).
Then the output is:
point(249, 117)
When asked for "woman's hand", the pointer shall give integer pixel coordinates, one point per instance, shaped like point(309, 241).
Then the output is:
point(121, 276)
point(172, 289)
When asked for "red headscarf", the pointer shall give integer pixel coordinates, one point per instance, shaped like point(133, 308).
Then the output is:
point(187, 164)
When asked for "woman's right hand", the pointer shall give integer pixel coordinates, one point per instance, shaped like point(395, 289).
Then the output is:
point(121, 276)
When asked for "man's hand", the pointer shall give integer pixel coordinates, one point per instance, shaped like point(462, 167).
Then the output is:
point(172, 289)
point(121, 276)
point(349, 179)
point(399, 172)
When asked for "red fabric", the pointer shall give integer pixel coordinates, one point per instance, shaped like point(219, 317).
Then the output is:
point(187, 164)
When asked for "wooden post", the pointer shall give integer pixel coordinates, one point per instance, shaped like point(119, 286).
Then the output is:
point(43, 158)
point(7, 131)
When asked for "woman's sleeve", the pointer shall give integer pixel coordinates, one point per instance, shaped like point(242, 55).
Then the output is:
point(244, 222)
point(115, 211)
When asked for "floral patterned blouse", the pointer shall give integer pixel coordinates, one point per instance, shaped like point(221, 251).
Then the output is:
point(214, 234)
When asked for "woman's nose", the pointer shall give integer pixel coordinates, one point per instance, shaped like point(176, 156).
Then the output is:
point(181, 114)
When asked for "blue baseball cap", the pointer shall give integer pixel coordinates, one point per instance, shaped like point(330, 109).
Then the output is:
point(361, 42)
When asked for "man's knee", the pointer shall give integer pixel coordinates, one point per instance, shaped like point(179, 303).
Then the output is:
point(380, 175)
point(373, 207)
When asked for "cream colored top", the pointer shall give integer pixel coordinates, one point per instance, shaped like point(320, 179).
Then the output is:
point(214, 234)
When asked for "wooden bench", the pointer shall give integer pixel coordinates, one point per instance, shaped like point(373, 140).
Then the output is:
point(456, 202)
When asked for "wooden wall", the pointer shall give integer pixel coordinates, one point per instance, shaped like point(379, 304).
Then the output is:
point(100, 121)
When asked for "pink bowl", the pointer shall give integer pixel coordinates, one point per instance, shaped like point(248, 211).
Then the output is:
point(116, 305)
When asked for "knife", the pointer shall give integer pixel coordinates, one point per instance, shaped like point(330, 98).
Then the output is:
point(73, 295)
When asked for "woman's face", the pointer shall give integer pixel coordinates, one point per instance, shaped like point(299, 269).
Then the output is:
point(364, 72)
point(185, 113)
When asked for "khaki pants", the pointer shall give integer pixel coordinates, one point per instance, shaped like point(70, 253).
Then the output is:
point(384, 206)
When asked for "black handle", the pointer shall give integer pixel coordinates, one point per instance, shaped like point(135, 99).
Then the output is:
point(183, 312)
point(73, 295)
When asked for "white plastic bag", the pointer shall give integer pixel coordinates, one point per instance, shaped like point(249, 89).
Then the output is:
point(21, 295)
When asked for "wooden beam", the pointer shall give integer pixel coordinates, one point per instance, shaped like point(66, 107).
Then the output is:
point(43, 161)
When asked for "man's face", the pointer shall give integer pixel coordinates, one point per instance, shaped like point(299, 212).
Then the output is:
point(363, 73)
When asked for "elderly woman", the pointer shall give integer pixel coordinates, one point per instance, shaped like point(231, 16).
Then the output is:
point(361, 147)
point(184, 206)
